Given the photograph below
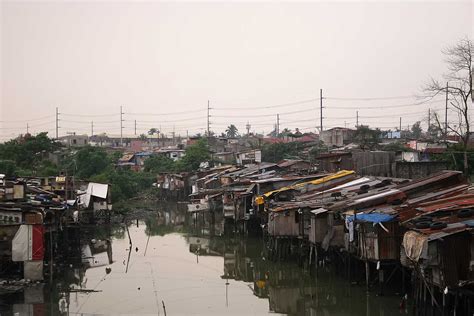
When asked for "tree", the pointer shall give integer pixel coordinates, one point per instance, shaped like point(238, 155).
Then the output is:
point(7, 167)
point(143, 137)
point(194, 156)
point(416, 130)
point(154, 131)
point(285, 132)
point(158, 164)
point(232, 131)
point(28, 152)
point(435, 130)
point(459, 90)
point(279, 151)
point(366, 137)
point(91, 161)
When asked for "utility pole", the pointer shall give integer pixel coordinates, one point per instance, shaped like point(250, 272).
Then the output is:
point(27, 128)
point(400, 124)
point(429, 118)
point(208, 117)
point(446, 115)
point(357, 118)
point(135, 127)
point(278, 126)
point(92, 128)
point(121, 127)
point(321, 108)
point(173, 135)
point(57, 122)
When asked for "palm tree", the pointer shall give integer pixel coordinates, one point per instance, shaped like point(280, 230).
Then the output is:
point(285, 132)
point(153, 131)
point(232, 131)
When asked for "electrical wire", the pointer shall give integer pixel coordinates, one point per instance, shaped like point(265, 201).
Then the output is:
point(372, 98)
point(266, 106)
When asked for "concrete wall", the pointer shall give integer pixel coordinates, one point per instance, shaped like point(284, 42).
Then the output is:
point(416, 170)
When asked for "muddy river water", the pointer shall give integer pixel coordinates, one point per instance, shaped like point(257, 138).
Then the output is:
point(158, 266)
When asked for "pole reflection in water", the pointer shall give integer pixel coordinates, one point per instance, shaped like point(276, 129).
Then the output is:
point(191, 274)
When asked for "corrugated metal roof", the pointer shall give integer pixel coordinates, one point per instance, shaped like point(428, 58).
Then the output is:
point(127, 157)
point(337, 175)
point(290, 162)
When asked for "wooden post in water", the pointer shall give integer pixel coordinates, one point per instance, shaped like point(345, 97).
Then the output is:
point(316, 259)
point(367, 274)
point(164, 307)
point(50, 255)
point(381, 281)
point(349, 267)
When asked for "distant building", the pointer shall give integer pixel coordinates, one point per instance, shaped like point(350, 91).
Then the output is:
point(135, 143)
point(393, 135)
point(249, 157)
point(74, 140)
point(173, 153)
point(337, 136)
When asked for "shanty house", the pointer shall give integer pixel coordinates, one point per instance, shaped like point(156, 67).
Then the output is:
point(174, 154)
point(284, 223)
point(445, 255)
point(249, 157)
point(290, 220)
point(337, 136)
point(378, 236)
point(97, 197)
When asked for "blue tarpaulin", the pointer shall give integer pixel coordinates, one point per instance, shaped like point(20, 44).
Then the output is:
point(372, 217)
point(469, 223)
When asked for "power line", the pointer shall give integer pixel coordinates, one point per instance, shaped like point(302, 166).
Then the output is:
point(163, 114)
point(387, 106)
point(266, 106)
point(267, 115)
point(169, 121)
point(29, 120)
point(90, 115)
point(87, 122)
point(34, 125)
point(374, 99)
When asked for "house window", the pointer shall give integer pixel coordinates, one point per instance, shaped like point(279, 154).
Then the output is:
point(74, 142)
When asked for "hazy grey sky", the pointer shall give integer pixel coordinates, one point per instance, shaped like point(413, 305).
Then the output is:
point(88, 58)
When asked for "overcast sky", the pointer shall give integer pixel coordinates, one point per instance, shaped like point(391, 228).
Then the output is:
point(155, 58)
